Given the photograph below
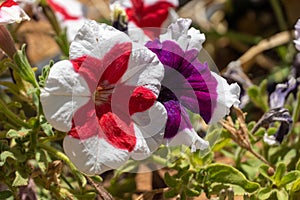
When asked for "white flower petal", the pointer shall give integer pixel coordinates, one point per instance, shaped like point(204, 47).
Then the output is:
point(144, 69)
point(151, 125)
point(186, 38)
point(188, 137)
point(151, 2)
point(96, 40)
point(94, 155)
point(64, 93)
point(137, 34)
point(73, 26)
point(12, 14)
point(270, 140)
point(71, 7)
point(228, 95)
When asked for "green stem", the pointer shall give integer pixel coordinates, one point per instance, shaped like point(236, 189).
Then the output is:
point(296, 112)
point(158, 160)
point(279, 14)
point(12, 116)
point(59, 155)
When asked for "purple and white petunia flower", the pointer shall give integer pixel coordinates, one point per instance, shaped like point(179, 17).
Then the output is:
point(146, 18)
point(70, 14)
point(105, 98)
point(189, 84)
point(11, 12)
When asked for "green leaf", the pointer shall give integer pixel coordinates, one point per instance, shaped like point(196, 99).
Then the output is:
point(187, 177)
point(81, 178)
point(17, 134)
point(264, 193)
point(97, 179)
point(3, 65)
point(47, 128)
point(169, 180)
point(258, 95)
point(20, 179)
point(282, 194)
point(23, 67)
point(221, 173)
point(5, 194)
point(298, 165)
point(4, 155)
point(171, 193)
point(45, 73)
point(289, 178)
point(263, 169)
point(295, 187)
point(192, 192)
point(280, 170)
point(260, 132)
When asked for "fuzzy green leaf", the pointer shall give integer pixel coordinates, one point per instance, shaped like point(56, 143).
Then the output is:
point(44, 75)
point(47, 128)
point(4, 155)
point(171, 193)
point(295, 187)
point(221, 173)
point(5, 194)
point(280, 170)
point(17, 134)
point(282, 194)
point(264, 193)
point(20, 180)
point(192, 192)
point(289, 178)
point(169, 180)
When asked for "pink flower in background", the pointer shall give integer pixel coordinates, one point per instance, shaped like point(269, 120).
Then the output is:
point(105, 98)
point(11, 12)
point(146, 17)
point(70, 14)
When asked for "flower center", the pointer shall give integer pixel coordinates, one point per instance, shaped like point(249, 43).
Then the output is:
point(102, 94)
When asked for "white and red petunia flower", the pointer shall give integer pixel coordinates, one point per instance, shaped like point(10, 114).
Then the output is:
point(11, 12)
point(105, 98)
point(147, 17)
point(70, 14)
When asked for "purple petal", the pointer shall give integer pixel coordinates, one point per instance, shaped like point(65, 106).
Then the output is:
point(178, 119)
point(174, 118)
point(195, 87)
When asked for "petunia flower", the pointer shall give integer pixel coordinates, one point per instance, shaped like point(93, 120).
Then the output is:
point(297, 35)
point(11, 12)
point(189, 85)
point(147, 17)
point(70, 14)
point(105, 98)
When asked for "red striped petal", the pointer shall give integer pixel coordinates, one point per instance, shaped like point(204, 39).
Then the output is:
point(115, 62)
point(8, 3)
point(117, 132)
point(141, 100)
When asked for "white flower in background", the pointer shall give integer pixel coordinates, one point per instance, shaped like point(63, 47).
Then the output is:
point(70, 14)
point(146, 18)
point(11, 12)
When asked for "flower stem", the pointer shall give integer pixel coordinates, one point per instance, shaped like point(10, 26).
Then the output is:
point(279, 15)
point(12, 116)
point(260, 158)
point(296, 112)
point(59, 155)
